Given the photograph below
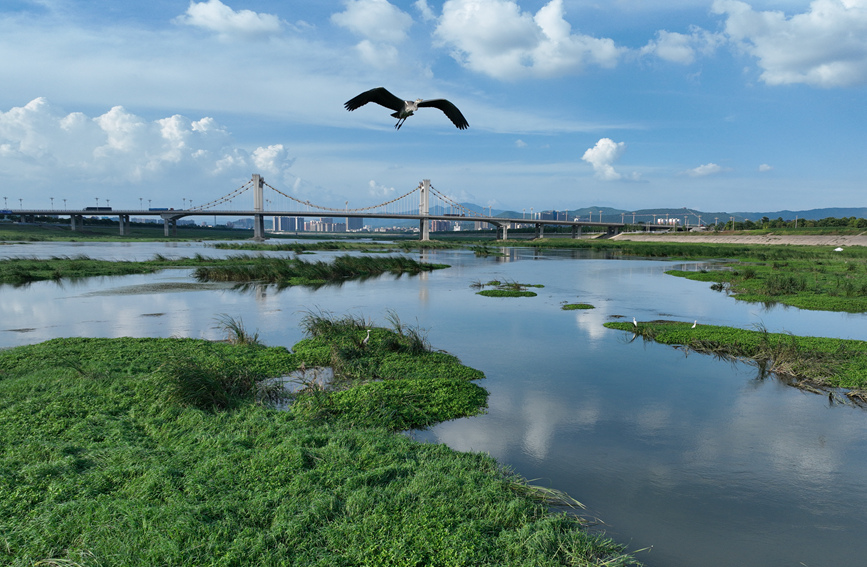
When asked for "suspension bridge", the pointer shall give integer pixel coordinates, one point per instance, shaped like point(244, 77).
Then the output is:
point(423, 203)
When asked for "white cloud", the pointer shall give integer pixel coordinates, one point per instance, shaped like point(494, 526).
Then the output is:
point(496, 38)
point(705, 170)
point(682, 48)
point(374, 20)
point(215, 16)
point(376, 190)
point(40, 144)
point(825, 46)
point(425, 10)
point(379, 55)
point(765, 167)
point(602, 157)
point(520, 144)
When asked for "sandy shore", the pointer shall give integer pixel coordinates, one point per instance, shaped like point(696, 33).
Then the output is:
point(722, 238)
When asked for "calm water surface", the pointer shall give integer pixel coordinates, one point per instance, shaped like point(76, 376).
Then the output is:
point(697, 462)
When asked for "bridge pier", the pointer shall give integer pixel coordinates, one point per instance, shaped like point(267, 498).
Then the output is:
point(540, 231)
point(170, 226)
point(424, 210)
point(123, 223)
point(502, 232)
point(76, 222)
point(258, 227)
point(576, 231)
point(258, 205)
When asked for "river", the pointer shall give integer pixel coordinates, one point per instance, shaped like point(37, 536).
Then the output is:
point(689, 460)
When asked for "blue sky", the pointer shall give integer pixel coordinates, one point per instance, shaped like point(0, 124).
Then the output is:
point(717, 105)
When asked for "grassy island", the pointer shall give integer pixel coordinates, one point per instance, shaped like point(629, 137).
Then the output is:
point(128, 452)
point(239, 268)
point(811, 362)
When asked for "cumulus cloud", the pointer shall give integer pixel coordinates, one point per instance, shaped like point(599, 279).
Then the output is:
point(426, 13)
point(682, 48)
point(380, 25)
point(376, 190)
point(825, 46)
point(41, 144)
point(215, 16)
point(520, 144)
point(496, 38)
point(705, 170)
point(765, 167)
point(374, 20)
point(602, 157)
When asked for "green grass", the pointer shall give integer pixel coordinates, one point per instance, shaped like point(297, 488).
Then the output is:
point(827, 282)
point(103, 231)
point(505, 289)
point(811, 361)
point(574, 306)
point(239, 268)
point(300, 272)
point(103, 462)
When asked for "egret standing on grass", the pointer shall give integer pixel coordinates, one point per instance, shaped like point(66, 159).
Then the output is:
point(365, 339)
point(403, 109)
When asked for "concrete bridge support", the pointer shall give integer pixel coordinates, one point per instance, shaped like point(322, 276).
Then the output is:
point(258, 205)
point(502, 232)
point(576, 231)
point(170, 226)
point(540, 230)
point(76, 222)
point(258, 227)
point(123, 223)
point(424, 210)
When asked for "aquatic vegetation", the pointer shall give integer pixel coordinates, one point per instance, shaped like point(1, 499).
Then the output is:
point(505, 289)
point(825, 282)
point(574, 306)
point(813, 362)
point(236, 333)
point(300, 272)
point(108, 464)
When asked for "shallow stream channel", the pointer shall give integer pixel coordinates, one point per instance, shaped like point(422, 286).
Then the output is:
point(687, 459)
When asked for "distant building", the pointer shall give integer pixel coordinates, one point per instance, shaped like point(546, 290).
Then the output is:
point(354, 223)
point(288, 224)
point(554, 215)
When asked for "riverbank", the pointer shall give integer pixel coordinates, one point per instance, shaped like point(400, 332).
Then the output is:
point(156, 452)
point(810, 363)
point(832, 240)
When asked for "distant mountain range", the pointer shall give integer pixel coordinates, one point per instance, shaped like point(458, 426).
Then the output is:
point(610, 214)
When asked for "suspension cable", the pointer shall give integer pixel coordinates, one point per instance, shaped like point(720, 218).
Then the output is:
point(309, 204)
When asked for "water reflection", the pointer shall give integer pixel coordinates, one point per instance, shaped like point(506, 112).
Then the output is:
point(698, 458)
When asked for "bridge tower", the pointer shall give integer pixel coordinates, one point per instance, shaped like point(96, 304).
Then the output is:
point(258, 206)
point(424, 210)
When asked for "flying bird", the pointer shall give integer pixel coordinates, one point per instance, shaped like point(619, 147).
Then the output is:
point(403, 109)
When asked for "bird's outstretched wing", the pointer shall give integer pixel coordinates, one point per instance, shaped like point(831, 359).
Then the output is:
point(449, 109)
point(380, 96)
